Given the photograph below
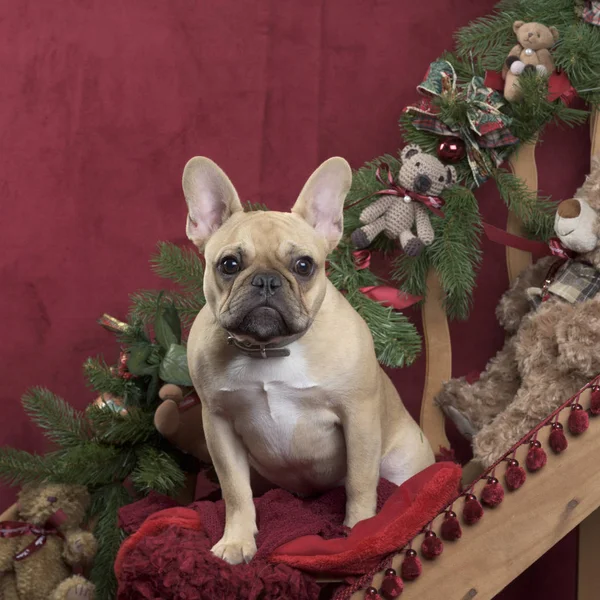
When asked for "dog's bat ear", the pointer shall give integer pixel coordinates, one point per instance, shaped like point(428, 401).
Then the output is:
point(321, 201)
point(210, 196)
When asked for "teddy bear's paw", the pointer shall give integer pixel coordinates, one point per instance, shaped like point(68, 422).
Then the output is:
point(80, 548)
point(541, 70)
point(360, 239)
point(74, 588)
point(413, 247)
point(517, 67)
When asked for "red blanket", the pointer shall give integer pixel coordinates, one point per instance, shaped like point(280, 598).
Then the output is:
point(168, 554)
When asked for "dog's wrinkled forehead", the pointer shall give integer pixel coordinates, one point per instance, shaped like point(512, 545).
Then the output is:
point(268, 237)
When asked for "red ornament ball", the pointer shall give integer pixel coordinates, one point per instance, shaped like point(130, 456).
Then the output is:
point(451, 149)
point(472, 511)
point(515, 475)
point(579, 420)
point(536, 457)
point(392, 585)
point(493, 493)
point(432, 546)
point(595, 400)
point(450, 530)
point(411, 566)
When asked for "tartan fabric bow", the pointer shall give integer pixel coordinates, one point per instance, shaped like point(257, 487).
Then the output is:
point(9, 529)
point(486, 126)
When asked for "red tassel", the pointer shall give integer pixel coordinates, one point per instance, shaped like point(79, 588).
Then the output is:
point(411, 566)
point(579, 420)
point(515, 475)
point(372, 594)
point(595, 400)
point(392, 585)
point(558, 441)
point(432, 546)
point(451, 530)
point(472, 511)
point(493, 493)
point(536, 457)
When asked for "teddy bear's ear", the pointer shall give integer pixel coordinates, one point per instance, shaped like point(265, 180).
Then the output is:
point(450, 176)
point(410, 151)
point(554, 33)
point(517, 25)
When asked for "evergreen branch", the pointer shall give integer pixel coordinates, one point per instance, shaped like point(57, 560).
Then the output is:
point(157, 471)
point(397, 342)
point(181, 265)
point(143, 304)
point(18, 467)
point(136, 427)
point(342, 271)
point(101, 379)
point(59, 421)
point(106, 503)
point(254, 206)
point(537, 214)
point(93, 464)
point(411, 273)
point(455, 252)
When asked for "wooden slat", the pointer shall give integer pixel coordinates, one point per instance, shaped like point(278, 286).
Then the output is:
point(438, 356)
point(512, 536)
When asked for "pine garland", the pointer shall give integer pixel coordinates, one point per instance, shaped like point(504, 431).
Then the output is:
point(482, 46)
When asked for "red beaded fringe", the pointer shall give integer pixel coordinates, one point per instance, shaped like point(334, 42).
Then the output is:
point(491, 495)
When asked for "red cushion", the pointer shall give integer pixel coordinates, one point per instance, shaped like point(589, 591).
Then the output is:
point(407, 511)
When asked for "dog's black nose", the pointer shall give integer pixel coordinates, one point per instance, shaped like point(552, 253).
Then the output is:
point(51, 499)
point(268, 283)
point(422, 184)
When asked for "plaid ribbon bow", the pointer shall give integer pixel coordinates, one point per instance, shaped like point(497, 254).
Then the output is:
point(487, 127)
point(10, 529)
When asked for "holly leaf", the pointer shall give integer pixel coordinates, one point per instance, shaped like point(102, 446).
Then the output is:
point(174, 366)
point(137, 361)
point(164, 334)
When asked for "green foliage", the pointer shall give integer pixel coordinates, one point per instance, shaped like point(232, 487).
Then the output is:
point(18, 467)
point(59, 421)
point(156, 470)
point(455, 253)
point(181, 265)
point(143, 304)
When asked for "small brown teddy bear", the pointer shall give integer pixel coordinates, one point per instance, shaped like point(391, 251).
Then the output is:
point(396, 216)
point(553, 343)
point(38, 551)
point(532, 53)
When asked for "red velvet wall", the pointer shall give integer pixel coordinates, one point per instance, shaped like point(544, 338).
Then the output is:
point(101, 104)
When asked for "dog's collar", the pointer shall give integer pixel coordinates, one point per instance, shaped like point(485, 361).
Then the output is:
point(263, 350)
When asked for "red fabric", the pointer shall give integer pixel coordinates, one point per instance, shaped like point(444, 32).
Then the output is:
point(411, 507)
point(307, 534)
point(104, 101)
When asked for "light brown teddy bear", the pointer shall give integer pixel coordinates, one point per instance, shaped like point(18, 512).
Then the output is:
point(532, 53)
point(38, 551)
point(553, 343)
point(396, 216)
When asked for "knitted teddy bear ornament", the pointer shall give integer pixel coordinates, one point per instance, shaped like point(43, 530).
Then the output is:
point(420, 175)
point(530, 55)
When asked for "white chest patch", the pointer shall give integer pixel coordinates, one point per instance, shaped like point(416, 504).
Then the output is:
point(283, 417)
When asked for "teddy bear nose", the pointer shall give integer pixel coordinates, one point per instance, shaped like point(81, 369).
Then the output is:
point(530, 34)
point(51, 499)
point(422, 183)
point(569, 209)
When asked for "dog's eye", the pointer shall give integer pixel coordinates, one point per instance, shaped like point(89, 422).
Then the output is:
point(441, 179)
point(230, 265)
point(304, 266)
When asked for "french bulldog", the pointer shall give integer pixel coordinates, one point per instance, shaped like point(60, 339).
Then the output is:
point(285, 368)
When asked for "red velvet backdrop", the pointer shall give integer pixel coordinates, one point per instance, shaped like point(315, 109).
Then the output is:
point(103, 102)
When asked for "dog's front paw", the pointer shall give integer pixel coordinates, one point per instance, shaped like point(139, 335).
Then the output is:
point(235, 549)
point(355, 514)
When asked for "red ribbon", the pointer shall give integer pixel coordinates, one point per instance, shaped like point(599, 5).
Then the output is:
point(10, 529)
point(499, 236)
point(390, 296)
point(362, 259)
point(433, 203)
point(188, 402)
